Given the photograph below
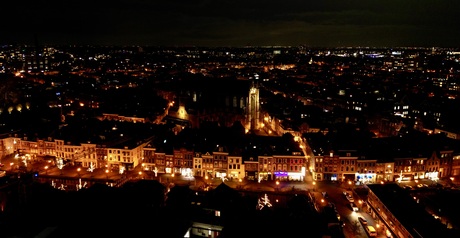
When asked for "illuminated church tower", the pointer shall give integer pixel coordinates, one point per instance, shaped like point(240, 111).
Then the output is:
point(253, 105)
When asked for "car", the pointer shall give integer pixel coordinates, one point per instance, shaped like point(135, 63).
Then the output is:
point(354, 207)
point(362, 220)
point(350, 199)
point(371, 231)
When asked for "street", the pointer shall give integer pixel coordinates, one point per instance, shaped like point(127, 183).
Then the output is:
point(353, 228)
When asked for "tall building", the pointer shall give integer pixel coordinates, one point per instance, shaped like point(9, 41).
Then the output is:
point(254, 105)
point(37, 58)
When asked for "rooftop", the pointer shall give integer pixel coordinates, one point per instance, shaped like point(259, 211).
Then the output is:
point(408, 212)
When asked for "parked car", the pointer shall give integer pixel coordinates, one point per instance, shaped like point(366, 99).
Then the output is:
point(354, 207)
point(350, 199)
point(408, 187)
point(362, 220)
point(371, 231)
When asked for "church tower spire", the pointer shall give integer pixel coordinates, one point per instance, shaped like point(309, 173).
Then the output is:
point(254, 105)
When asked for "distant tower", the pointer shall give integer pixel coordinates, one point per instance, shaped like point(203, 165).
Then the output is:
point(254, 106)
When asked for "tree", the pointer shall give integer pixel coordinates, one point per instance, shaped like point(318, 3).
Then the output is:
point(355, 228)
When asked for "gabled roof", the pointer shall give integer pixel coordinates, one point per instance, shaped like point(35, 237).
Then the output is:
point(222, 197)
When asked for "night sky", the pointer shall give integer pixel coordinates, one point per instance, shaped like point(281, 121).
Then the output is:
point(320, 23)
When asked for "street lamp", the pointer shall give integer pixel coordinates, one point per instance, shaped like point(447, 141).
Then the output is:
point(46, 169)
point(107, 173)
point(314, 185)
point(78, 171)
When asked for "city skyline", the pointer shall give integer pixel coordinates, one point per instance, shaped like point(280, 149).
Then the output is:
point(218, 142)
point(209, 23)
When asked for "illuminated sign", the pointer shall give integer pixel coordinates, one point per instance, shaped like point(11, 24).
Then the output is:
point(281, 173)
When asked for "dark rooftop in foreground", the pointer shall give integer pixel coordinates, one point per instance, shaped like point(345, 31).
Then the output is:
point(409, 213)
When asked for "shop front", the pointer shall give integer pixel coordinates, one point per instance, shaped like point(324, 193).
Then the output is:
point(251, 175)
point(365, 178)
point(281, 175)
point(433, 176)
point(330, 176)
point(265, 176)
point(221, 173)
point(186, 172)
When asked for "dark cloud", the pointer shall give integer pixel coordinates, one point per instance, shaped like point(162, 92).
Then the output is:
point(234, 22)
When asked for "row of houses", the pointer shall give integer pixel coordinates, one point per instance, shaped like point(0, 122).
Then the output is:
point(344, 166)
point(341, 165)
point(128, 155)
